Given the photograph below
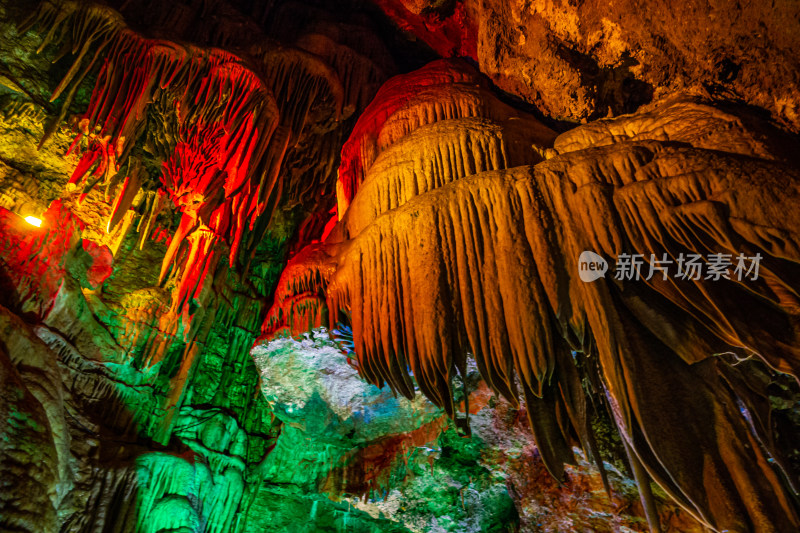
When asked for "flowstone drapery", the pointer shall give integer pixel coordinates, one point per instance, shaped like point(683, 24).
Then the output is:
point(450, 250)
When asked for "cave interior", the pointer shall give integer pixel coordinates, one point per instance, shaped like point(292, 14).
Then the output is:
point(399, 266)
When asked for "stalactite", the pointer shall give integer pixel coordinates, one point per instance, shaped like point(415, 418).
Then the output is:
point(441, 254)
point(124, 198)
point(437, 154)
point(232, 134)
point(308, 173)
point(470, 300)
point(360, 150)
point(200, 261)
point(82, 26)
point(454, 101)
point(299, 296)
point(434, 143)
point(359, 74)
point(466, 276)
point(154, 205)
point(303, 84)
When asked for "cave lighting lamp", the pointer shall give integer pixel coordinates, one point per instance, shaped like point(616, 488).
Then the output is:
point(33, 221)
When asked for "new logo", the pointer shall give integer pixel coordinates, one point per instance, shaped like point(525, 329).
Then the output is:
point(591, 266)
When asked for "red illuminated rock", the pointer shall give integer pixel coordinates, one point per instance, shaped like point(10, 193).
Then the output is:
point(102, 263)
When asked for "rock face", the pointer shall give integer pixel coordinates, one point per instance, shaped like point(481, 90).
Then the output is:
point(238, 238)
point(36, 441)
point(581, 60)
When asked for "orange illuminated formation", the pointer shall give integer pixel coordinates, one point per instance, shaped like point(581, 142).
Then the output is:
point(447, 252)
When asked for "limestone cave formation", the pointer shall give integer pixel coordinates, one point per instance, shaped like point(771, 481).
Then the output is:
point(399, 266)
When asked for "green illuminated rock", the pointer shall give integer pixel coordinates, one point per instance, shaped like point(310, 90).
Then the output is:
point(391, 460)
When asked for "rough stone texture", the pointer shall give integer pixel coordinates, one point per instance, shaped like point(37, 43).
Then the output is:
point(34, 442)
point(402, 463)
point(582, 60)
point(688, 120)
point(297, 377)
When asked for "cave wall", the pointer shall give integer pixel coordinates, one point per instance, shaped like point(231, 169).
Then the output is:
point(582, 60)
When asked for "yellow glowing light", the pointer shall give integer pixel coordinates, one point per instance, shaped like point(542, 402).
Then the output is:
point(33, 221)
